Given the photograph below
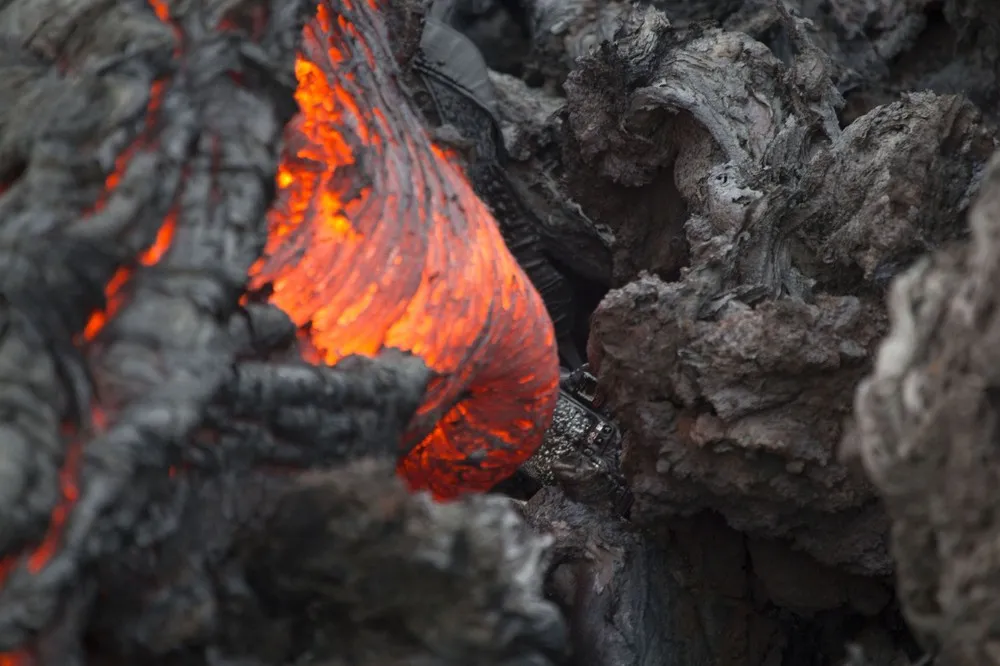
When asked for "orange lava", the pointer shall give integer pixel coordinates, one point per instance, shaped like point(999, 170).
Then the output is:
point(377, 241)
point(69, 491)
point(161, 9)
point(112, 290)
point(40, 556)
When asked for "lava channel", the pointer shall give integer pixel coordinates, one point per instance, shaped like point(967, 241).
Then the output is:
point(377, 241)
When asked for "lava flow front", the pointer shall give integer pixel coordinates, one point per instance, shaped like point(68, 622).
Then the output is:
point(377, 241)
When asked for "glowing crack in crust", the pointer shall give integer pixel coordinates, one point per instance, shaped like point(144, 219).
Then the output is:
point(376, 241)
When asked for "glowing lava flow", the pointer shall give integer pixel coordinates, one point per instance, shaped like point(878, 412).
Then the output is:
point(378, 241)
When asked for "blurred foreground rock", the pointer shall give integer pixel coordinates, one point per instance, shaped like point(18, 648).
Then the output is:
point(928, 420)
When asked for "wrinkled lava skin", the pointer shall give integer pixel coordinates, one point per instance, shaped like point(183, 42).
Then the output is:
point(377, 241)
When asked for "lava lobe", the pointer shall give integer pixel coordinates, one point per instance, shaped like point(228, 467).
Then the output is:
point(377, 241)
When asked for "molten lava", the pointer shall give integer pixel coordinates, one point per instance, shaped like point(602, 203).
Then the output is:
point(377, 241)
